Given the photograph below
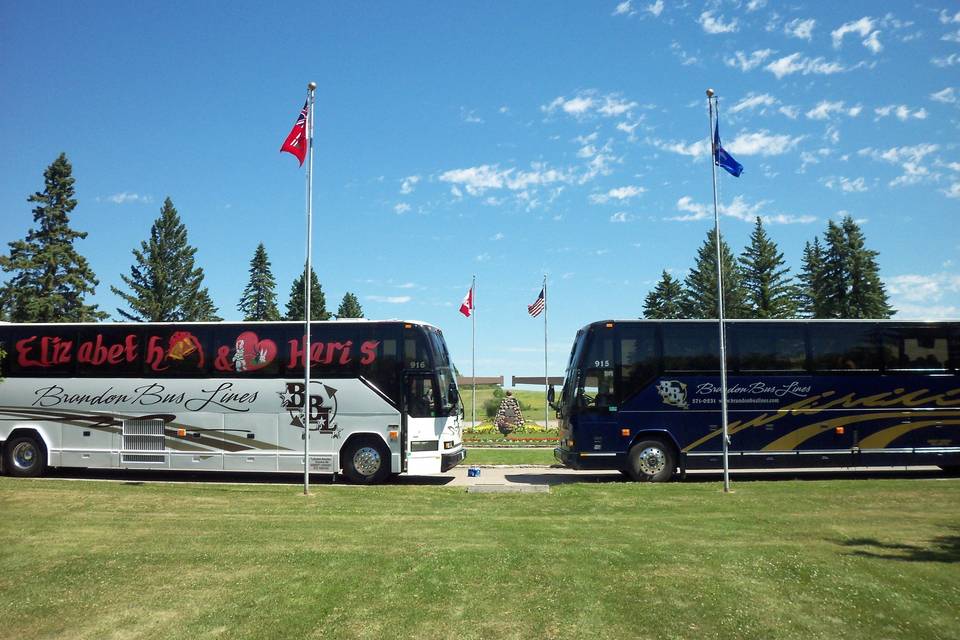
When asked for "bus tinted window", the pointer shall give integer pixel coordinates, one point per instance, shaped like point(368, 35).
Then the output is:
point(691, 348)
point(920, 349)
point(639, 361)
point(110, 351)
point(254, 351)
point(597, 383)
point(769, 347)
point(176, 352)
point(844, 346)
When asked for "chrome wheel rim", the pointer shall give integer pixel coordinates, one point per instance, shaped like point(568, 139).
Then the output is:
point(367, 461)
point(653, 460)
point(25, 455)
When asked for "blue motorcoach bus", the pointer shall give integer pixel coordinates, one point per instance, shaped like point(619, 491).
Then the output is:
point(644, 396)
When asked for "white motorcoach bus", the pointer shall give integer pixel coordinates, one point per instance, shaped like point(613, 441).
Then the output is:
point(383, 398)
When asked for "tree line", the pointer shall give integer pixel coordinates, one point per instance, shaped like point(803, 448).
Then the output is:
point(49, 280)
point(839, 278)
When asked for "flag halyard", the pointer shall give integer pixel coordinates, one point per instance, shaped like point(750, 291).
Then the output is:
point(296, 142)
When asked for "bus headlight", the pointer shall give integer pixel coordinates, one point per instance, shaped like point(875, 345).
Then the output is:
point(425, 445)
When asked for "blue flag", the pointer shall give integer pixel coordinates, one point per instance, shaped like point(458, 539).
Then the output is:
point(723, 159)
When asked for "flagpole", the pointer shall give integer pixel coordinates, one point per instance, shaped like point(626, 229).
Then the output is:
point(307, 281)
point(711, 103)
point(473, 346)
point(546, 377)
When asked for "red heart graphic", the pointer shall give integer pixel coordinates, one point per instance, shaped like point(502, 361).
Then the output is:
point(257, 353)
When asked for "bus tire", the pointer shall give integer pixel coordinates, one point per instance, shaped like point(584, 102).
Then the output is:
point(25, 457)
point(651, 461)
point(366, 461)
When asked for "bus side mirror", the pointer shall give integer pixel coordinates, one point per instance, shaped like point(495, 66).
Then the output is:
point(453, 396)
point(551, 395)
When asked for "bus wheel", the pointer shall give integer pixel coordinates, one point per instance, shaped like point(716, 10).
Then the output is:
point(651, 461)
point(366, 461)
point(24, 457)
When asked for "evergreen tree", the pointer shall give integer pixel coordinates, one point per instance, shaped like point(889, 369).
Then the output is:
point(50, 279)
point(770, 294)
point(164, 284)
point(259, 301)
point(665, 301)
point(810, 295)
point(349, 307)
point(318, 302)
point(850, 280)
point(700, 295)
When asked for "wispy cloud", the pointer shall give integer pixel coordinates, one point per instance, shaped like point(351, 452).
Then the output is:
point(901, 111)
point(755, 102)
point(625, 8)
point(948, 18)
point(746, 62)
point(739, 209)
point(408, 184)
point(714, 25)
point(621, 216)
point(655, 9)
point(762, 143)
point(128, 198)
point(864, 27)
point(477, 180)
point(946, 61)
point(826, 109)
point(590, 103)
point(620, 194)
point(908, 158)
point(798, 28)
point(846, 185)
point(390, 299)
point(798, 63)
point(401, 208)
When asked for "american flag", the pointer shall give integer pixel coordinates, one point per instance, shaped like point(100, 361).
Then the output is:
point(296, 142)
point(537, 307)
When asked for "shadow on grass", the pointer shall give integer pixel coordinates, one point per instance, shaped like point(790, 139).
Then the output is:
point(944, 549)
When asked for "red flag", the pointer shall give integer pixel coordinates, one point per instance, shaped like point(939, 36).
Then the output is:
point(296, 142)
point(466, 308)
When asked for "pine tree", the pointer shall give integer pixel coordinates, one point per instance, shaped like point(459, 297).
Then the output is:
point(259, 301)
point(50, 279)
point(164, 284)
point(318, 302)
point(770, 294)
point(810, 294)
point(665, 301)
point(700, 295)
point(850, 281)
point(349, 307)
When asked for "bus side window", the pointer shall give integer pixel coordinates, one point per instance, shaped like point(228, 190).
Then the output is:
point(917, 349)
point(844, 347)
point(639, 363)
point(597, 387)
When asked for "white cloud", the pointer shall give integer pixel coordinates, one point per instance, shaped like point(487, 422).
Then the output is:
point(753, 5)
point(825, 109)
point(754, 101)
point(745, 62)
point(685, 58)
point(864, 27)
point(623, 9)
point(761, 143)
point(390, 299)
point(401, 208)
point(846, 185)
point(698, 149)
point(713, 25)
point(477, 180)
point(620, 194)
point(739, 209)
point(923, 289)
point(790, 111)
point(947, 61)
point(620, 216)
point(953, 36)
point(946, 18)
point(798, 28)
point(902, 112)
point(953, 191)
point(908, 158)
point(129, 198)
point(655, 9)
point(797, 63)
point(589, 102)
point(470, 116)
point(408, 184)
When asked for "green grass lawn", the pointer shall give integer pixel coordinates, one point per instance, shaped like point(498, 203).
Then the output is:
point(869, 559)
point(535, 400)
point(509, 456)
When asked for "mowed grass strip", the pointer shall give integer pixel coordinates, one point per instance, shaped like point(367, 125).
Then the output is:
point(846, 559)
point(505, 455)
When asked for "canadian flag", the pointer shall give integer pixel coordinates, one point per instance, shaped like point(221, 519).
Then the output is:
point(466, 307)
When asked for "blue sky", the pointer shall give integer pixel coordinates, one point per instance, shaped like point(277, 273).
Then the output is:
point(505, 140)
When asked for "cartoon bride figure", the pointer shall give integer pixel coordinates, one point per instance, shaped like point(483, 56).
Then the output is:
point(240, 357)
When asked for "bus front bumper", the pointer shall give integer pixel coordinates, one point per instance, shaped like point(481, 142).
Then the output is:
point(450, 460)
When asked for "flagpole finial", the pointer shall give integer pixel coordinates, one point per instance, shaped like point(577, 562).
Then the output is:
point(710, 93)
point(312, 86)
